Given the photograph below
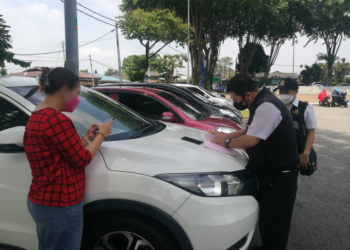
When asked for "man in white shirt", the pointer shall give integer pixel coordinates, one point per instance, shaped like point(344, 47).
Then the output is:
point(270, 141)
point(288, 89)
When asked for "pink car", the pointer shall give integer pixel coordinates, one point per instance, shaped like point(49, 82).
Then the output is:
point(160, 105)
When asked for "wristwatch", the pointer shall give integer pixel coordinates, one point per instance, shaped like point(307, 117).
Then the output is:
point(85, 139)
point(227, 142)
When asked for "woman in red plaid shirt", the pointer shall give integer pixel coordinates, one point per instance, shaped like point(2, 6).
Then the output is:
point(58, 158)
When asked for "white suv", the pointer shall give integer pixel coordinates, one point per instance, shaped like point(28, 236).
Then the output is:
point(147, 189)
point(209, 96)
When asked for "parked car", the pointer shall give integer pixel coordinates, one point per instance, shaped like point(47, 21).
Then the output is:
point(317, 84)
point(188, 96)
point(199, 90)
point(160, 105)
point(344, 84)
point(146, 188)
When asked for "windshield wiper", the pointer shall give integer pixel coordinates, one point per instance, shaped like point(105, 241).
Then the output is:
point(141, 132)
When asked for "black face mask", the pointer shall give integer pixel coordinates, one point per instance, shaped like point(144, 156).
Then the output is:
point(240, 106)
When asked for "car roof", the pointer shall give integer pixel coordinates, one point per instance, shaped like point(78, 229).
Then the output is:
point(184, 85)
point(17, 81)
point(133, 89)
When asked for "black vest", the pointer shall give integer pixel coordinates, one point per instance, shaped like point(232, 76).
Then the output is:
point(299, 124)
point(279, 150)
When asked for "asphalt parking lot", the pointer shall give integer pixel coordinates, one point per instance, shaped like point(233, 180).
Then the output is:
point(321, 218)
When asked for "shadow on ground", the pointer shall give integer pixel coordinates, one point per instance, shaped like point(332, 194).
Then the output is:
point(321, 219)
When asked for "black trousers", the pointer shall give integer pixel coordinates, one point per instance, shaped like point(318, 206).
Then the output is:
point(334, 99)
point(277, 193)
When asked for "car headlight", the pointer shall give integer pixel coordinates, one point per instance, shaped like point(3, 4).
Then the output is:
point(225, 130)
point(211, 185)
point(227, 112)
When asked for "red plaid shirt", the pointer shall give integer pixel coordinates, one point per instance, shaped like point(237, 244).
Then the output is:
point(57, 158)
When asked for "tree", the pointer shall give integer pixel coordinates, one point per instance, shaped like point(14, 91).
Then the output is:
point(111, 71)
point(340, 69)
point(3, 71)
point(259, 62)
point(211, 21)
point(223, 67)
point(168, 64)
point(328, 20)
point(152, 27)
point(84, 70)
point(311, 74)
point(133, 68)
point(5, 45)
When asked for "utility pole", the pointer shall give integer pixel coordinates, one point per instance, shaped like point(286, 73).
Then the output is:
point(188, 43)
point(92, 74)
point(71, 30)
point(149, 71)
point(293, 48)
point(64, 52)
point(118, 50)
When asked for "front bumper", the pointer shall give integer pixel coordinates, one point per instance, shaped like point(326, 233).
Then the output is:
point(218, 223)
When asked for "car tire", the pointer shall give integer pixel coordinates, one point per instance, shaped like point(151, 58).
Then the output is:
point(118, 231)
point(345, 105)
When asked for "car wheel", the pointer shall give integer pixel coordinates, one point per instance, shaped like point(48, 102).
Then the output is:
point(124, 233)
point(345, 105)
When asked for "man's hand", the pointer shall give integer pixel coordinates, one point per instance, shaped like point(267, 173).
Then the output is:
point(304, 160)
point(214, 132)
point(219, 140)
point(90, 131)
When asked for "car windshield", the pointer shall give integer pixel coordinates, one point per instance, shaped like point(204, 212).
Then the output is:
point(183, 106)
point(206, 91)
point(95, 108)
point(202, 98)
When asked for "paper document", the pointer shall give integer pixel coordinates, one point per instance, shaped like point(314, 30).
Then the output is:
point(208, 144)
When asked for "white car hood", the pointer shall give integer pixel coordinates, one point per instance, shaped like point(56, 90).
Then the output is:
point(165, 152)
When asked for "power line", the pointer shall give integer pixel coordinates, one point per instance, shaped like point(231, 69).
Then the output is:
point(59, 51)
point(176, 50)
point(96, 12)
point(105, 65)
point(92, 16)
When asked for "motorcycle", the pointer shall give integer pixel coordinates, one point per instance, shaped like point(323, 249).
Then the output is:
point(324, 100)
point(341, 100)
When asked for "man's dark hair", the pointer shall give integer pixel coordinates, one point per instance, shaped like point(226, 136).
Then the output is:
point(241, 84)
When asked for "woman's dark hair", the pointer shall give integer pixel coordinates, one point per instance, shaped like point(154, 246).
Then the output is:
point(52, 80)
point(241, 84)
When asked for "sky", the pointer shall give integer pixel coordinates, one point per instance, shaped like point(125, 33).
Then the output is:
point(38, 26)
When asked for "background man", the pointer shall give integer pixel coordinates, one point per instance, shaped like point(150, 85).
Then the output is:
point(304, 119)
point(269, 138)
point(335, 94)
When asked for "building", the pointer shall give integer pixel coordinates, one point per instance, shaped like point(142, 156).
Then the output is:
point(275, 77)
point(84, 79)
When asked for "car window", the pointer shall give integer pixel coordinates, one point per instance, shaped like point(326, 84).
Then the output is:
point(196, 90)
point(94, 108)
point(11, 116)
point(144, 105)
point(183, 106)
point(206, 91)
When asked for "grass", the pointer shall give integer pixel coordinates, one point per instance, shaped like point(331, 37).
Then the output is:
point(245, 113)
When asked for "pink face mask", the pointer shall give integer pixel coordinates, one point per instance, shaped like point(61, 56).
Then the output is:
point(73, 103)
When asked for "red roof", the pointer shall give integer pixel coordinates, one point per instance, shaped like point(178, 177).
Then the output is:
point(34, 72)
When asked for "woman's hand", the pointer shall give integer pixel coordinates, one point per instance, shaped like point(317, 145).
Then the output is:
point(304, 160)
point(106, 129)
point(90, 131)
point(214, 132)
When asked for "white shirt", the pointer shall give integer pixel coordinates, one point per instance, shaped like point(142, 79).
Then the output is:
point(265, 120)
point(309, 116)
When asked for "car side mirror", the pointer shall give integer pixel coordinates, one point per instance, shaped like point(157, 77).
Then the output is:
point(168, 117)
point(11, 140)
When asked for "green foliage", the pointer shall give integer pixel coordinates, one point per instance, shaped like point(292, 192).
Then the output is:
point(152, 27)
point(259, 61)
point(168, 64)
point(134, 68)
point(3, 71)
point(340, 69)
point(84, 70)
point(5, 45)
point(311, 74)
point(111, 71)
point(222, 68)
point(328, 20)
